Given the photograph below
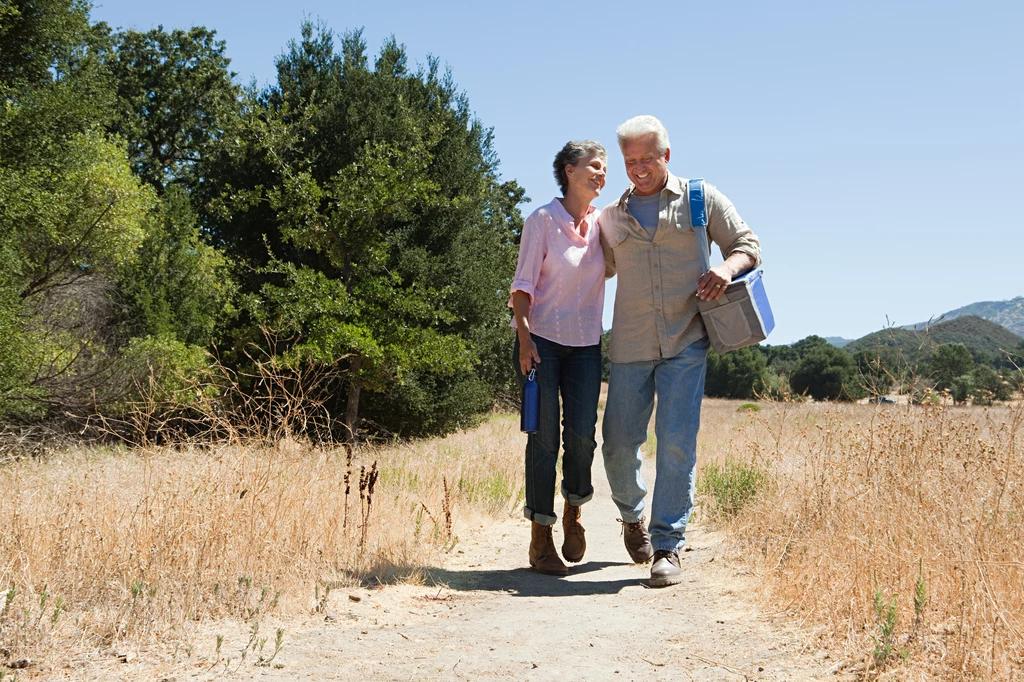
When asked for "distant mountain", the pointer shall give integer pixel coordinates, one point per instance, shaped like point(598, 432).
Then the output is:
point(976, 333)
point(1009, 314)
point(838, 341)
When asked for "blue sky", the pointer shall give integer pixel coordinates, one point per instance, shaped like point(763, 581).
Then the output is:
point(875, 148)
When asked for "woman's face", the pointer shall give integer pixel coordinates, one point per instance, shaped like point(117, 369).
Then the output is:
point(587, 176)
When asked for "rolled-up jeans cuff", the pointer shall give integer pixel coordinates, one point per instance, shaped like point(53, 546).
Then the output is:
point(542, 519)
point(576, 500)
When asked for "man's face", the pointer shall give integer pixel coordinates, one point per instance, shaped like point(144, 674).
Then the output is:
point(645, 166)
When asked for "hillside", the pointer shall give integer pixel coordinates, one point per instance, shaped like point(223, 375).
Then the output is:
point(976, 333)
point(838, 341)
point(1009, 314)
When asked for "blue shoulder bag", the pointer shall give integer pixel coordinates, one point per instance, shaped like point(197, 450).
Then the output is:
point(742, 316)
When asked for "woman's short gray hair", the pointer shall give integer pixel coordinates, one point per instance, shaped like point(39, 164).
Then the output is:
point(571, 154)
point(639, 126)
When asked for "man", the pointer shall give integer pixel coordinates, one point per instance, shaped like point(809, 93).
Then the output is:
point(659, 345)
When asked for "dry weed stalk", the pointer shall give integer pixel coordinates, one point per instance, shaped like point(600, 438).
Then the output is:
point(898, 525)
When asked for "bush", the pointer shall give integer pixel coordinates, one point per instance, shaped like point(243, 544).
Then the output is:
point(739, 374)
point(730, 486)
point(827, 373)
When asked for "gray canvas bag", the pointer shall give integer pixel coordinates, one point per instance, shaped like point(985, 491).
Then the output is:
point(742, 316)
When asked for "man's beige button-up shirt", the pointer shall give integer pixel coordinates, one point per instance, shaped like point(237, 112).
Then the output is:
point(656, 299)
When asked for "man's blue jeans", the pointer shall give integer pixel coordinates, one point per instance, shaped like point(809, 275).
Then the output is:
point(576, 373)
point(679, 384)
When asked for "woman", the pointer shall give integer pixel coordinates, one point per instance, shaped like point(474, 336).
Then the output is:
point(557, 300)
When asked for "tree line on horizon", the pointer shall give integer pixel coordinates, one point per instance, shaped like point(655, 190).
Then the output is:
point(814, 368)
point(962, 360)
point(171, 238)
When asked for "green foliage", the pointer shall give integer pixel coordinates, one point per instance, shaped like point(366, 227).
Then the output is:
point(387, 240)
point(962, 388)
point(606, 361)
point(827, 373)
point(885, 618)
point(37, 36)
point(920, 593)
point(949, 361)
point(731, 485)
point(70, 208)
point(876, 372)
point(987, 385)
point(177, 286)
point(164, 371)
point(52, 81)
point(175, 97)
point(739, 374)
point(78, 215)
point(913, 346)
point(804, 347)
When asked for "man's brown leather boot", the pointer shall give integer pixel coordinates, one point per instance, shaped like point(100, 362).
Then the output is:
point(637, 540)
point(543, 556)
point(574, 544)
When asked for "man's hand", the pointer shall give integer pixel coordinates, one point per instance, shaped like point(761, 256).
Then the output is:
point(712, 283)
point(528, 355)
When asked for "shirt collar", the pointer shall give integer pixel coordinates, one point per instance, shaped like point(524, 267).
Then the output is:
point(564, 215)
point(673, 185)
point(569, 223)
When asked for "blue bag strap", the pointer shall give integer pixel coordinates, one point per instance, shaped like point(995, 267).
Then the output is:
point(699, 221)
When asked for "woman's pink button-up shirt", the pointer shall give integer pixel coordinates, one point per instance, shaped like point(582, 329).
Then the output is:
point(563, 273)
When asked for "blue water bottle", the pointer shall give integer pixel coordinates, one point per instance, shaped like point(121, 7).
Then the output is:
point(529, 418)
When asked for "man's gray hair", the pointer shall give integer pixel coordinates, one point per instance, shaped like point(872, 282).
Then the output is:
point(571, 154)
point(640, 126)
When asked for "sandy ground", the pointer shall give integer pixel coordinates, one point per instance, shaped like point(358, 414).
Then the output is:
point(484, 615)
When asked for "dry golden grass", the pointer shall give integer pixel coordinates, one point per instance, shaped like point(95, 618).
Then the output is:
point(863, 503)
point(895, 532)
point(100, 546)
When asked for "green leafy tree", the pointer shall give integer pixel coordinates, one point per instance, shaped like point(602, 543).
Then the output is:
point(962, 388)
point(76, 216)
point(70, 208)
point(738, 374)
point(989, 385)
point(875, 374)
point(175, 98)
point(949, 361)
point(827, 373)
point(366, 206)
point(805, 346)
point(177, 286)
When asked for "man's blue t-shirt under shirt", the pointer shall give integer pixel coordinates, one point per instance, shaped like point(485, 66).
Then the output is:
point(645, 210)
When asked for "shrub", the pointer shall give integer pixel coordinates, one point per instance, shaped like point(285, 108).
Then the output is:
point(731, 485)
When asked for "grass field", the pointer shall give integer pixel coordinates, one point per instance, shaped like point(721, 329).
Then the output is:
point(101, 546)
point(892, 534)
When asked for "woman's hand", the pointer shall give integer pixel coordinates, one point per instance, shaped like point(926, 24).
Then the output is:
point(528, 355)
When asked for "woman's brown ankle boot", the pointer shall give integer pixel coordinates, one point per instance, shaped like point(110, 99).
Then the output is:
point(574, 542)
point(543, 556)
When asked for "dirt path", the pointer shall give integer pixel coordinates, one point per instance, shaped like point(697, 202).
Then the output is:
point(485, 616)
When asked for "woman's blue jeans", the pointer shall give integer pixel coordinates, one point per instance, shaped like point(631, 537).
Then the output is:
point(575, 372)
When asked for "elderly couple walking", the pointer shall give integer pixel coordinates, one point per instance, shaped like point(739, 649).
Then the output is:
point(659, 345)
